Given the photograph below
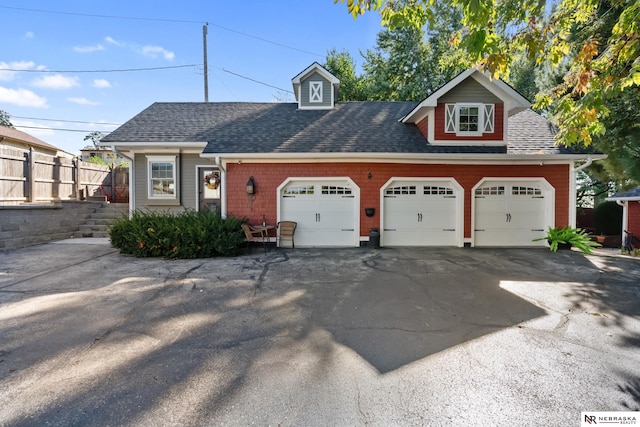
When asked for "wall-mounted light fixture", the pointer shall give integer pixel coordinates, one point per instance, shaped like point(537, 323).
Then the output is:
point(251, 187)
point(369, 175)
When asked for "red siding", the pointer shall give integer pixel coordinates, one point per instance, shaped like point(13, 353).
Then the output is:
point(269, 176)
point(634, 218)
point(423, 126)
point(497, 135)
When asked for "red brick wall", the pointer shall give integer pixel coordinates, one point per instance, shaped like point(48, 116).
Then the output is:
point(441, 135)
point(634, 218)
point(269, 176)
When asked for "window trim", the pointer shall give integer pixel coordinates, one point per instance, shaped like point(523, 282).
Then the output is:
point(316, 87)
point(452, 124)
point(161, 159)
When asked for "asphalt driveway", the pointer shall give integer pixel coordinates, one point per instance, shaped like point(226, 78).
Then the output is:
point(428, 336)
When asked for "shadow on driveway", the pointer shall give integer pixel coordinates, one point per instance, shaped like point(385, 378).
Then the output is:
point(118, 340)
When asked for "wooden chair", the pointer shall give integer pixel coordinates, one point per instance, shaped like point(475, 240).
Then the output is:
point(286, 230)
point(253, 235)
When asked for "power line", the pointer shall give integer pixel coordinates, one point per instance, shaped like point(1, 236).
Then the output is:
point(183, 21)
point(67, 121)
point(101, 71)
point(95, 15)
point(62, 130)
point(254, 80)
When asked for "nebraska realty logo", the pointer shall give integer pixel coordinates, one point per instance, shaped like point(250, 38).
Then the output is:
point(609, 418)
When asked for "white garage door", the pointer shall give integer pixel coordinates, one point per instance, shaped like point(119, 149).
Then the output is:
point(324, 210)
point(511, 213)
point(422, 213)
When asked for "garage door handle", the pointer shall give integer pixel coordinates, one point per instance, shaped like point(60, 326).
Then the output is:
point(449, 197)
point(537, 229)
point(348, 197)
point(479, 229)
point(448, 229)
point(390, 229)
point(348, 229)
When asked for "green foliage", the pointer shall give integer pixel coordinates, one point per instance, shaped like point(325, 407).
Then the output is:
point(572, 236)
point(596, 43)
point(5, 119)
point(189, 234)
point(97, 161)
point(94, 137)
point(342, 65)
point(607, 218)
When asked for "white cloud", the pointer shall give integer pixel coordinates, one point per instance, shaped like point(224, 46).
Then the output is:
point(22, 98)
point(15, 65)
point(154, 51)
point(29, 35)
point(111, 40)
point(88, 49)
point(82, 101)
point(56, 81)
point(101, 83)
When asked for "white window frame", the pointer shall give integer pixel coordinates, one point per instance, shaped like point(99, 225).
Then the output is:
point(161, 159)
point(452, 118)
point(315, 92)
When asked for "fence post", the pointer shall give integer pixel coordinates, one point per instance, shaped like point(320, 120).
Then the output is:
point(79, 178)
point(31, 194)
point(114, 194)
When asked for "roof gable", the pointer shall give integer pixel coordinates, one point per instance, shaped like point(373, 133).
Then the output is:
point(512, 99)
point(315, 80)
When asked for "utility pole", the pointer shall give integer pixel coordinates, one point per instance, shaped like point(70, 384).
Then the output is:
point(206, 70)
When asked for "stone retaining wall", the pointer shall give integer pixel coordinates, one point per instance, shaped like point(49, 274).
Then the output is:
point(26, 225)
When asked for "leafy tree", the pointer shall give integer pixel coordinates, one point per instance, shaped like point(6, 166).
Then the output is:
point(5, 119)
point(94, 137)
point(342, 65)
point(398, 68)
point(601, 65)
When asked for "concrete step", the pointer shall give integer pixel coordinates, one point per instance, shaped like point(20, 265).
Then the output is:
point(90, 234)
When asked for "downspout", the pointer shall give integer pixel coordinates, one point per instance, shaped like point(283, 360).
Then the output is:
point(132, 187)
point(223, 190)
point(573, 204)
point(625, 217)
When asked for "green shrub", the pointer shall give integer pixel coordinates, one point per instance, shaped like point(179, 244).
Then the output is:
point(188, 234)
point(571, 236)
point(607, 218)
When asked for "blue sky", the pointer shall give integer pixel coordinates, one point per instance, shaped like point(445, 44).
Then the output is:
point(267, 41)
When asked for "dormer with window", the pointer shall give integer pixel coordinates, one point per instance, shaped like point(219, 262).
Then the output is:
point(315, 88)
point(471, 109)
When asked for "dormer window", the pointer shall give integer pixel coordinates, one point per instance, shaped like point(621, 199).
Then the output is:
point(469, 119)
point(315, 91)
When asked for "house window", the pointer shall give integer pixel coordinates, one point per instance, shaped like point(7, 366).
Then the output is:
point(162, 177)
point(315, 91)
point(469, 119)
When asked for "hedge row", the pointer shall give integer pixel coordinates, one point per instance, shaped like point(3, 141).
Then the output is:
point(189, 234)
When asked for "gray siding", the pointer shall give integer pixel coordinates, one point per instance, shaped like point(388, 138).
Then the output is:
point(186, 190)
point(469, 91)
point(305, 92)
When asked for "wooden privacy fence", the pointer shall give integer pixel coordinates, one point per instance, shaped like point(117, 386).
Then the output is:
point(30, 177)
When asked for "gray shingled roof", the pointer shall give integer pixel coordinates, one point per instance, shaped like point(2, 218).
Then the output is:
point(633, 193)
point(360, 127)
